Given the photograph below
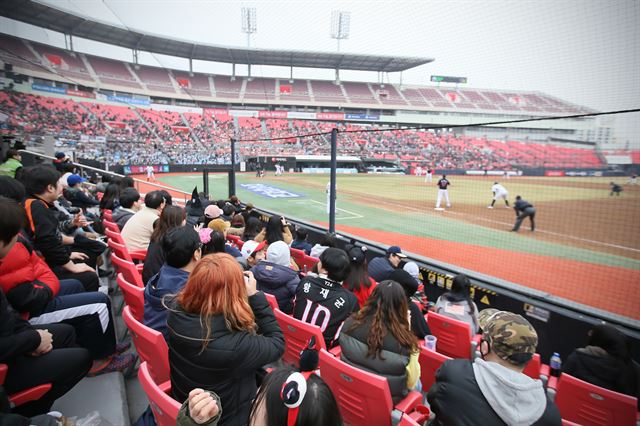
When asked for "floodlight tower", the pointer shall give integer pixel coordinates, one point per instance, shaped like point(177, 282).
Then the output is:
point(249, 23)
point(340, 23)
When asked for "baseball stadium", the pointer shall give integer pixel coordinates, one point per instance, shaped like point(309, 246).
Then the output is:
point(532, 196)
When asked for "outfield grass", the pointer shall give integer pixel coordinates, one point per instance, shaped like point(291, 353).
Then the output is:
point(397, 203)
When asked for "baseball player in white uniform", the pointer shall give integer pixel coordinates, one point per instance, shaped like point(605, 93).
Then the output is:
point(429, 175)
point(499, 191)
point(150, 174)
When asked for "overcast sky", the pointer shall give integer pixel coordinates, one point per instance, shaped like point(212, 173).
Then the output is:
point(583, 51)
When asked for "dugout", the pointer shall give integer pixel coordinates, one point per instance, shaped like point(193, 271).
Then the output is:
point(305, 163)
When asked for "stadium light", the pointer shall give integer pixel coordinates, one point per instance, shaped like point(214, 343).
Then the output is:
point(249, 23)
point(340, 25)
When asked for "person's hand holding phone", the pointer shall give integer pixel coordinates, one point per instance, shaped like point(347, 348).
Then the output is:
point(250, 283)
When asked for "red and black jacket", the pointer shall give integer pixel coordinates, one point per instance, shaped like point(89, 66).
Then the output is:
point(26, 280)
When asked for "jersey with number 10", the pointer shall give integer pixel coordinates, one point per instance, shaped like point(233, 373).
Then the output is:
point(325, 303)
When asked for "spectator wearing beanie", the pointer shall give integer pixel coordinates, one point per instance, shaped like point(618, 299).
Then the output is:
point(76, 195)
point(492, 390)
point(274, 276)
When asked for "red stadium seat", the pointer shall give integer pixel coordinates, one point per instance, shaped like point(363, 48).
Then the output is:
point(536, 370)
point(122, 252)
point(114, 235)
point(150, 345)
point(26, 395)
point(107, 215)
point(453, 336)
point(429, 361)
point(111, 225)
point(273, 302)
point(165, 409)
point(133, 297)
point(590, 405)
point(364, 398)
point(296, 336)
point(128, 270)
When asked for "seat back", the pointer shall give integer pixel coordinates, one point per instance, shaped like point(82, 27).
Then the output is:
point(107, 214)
point(298, 255)
point(307, 263)
point(453, 335)
point(128, 270)
point(112, 226)
point(165, 409)
point(363, 398)
point(119, 249)
point(587, 404)
point(533, 367)
point(150, 345)
point(429, 361)
point(296, 336)
point(114, 235)
point(273, 302)
point(133, 296)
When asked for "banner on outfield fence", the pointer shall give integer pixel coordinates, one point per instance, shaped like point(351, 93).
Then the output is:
point(162, 168)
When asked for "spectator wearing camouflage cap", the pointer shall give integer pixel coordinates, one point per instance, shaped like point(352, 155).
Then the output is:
point(492, 390)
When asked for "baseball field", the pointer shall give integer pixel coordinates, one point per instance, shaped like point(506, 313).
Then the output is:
point(586, 247)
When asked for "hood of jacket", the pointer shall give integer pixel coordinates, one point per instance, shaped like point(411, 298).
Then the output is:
point(516, 398)
point(169, 280)
point(273, 276)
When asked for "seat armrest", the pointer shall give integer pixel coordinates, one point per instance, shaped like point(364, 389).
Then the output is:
point(409, 402)
point(337, 351)
point(138, 254)
point(3, 372)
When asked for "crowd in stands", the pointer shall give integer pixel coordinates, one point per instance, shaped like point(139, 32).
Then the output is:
point(127, 135)
point(209, 293)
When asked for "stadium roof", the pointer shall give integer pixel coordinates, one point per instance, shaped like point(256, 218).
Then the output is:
point(44, 16)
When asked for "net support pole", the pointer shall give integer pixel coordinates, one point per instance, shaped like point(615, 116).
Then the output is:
point(332, 186)
point(232, 172)
point(205, 181)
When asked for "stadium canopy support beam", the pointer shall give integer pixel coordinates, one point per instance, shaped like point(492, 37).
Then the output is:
point(249, 72)
point(190, 67)
point(68, 42)
point(135, 56)
point(337, 76)
point(232, 172)
point(233, 72)
point(332, 186)
point(291, 74)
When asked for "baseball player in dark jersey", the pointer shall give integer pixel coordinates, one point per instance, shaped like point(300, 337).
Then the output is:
point(615, 189)
point(443, 192)
point(524, 209)
point(321, 300)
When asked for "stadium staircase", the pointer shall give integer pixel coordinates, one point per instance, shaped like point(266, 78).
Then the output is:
point(192, 132)
point(87, 64)
point(136, 77)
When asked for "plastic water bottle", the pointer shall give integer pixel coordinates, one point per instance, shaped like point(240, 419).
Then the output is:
point(555, 365)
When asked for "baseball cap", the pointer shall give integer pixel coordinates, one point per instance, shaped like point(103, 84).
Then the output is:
point(74, 179)
point(278, 253)
point(219, 225)
point(212, 211)
point(396, 250)
point(60, 155)
point(250, 247)
point(511, 336)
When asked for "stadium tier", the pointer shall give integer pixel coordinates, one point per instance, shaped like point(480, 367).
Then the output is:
point(58, 64)
point(170, 131)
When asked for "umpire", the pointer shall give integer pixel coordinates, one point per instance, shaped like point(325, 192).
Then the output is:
point(523, 209)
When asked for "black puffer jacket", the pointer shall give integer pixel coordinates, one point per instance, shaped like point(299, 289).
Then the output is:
point(392, 365)
point(456, 399)
point(594, 365)
point(228, 364)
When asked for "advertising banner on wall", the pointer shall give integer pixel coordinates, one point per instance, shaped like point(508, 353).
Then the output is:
point(162, 168)
point(127, 100)
point(80, 93)
point(330, 116)
point(50, 89)
point(272, 114)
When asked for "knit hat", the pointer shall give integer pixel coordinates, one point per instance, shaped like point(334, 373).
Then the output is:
point(212, 211)
point(511, 336)
point(219, 225)
point(250, 247)
point(278, 253)
point(413, 270)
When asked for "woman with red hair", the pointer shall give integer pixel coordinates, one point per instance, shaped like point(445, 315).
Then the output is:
point(221, 332)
